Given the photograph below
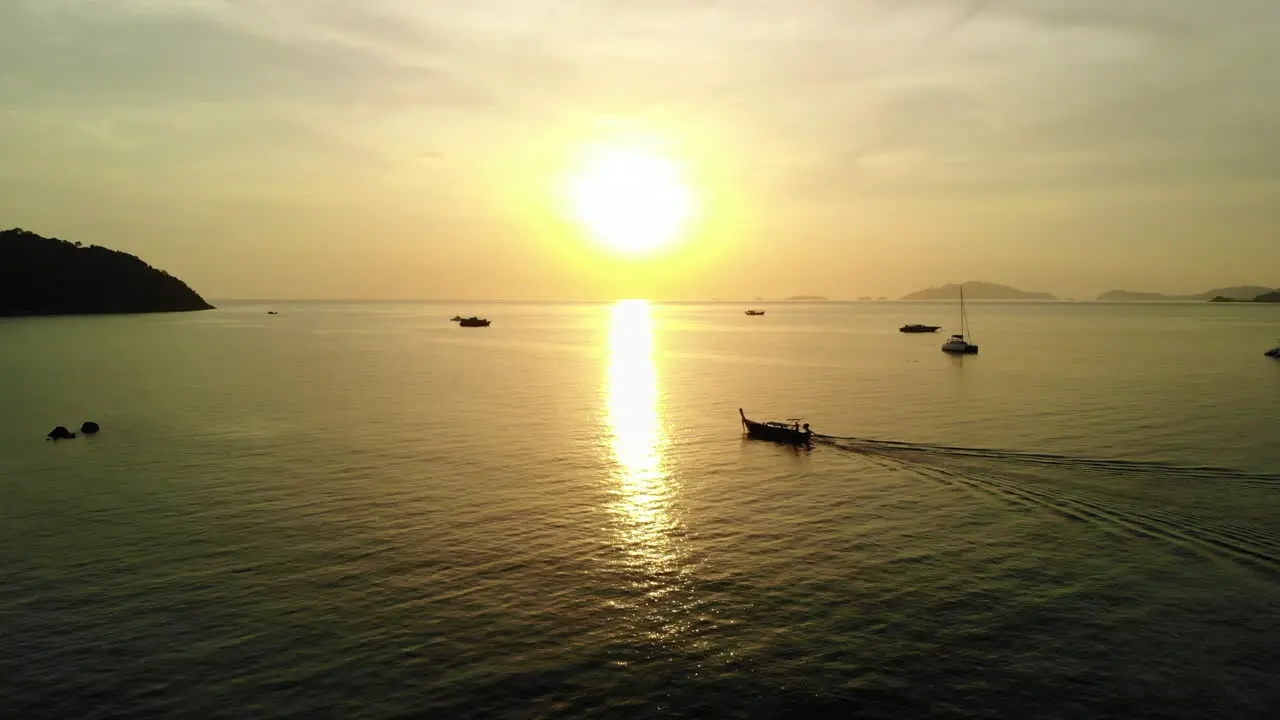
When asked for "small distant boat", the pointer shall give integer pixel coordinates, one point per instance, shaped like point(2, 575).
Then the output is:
point(956, 344)
point(1274, 352)
point(755, 312)
point(456, 318)
point(473, 322)
point(272, 312)
point(793, 433)
point(919, 328)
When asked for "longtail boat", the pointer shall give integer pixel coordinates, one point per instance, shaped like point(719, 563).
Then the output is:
point(792, 433)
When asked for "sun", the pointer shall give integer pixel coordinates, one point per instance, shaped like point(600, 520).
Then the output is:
point(630, 199)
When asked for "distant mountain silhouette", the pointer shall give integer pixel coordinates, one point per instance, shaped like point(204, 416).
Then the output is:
point(974, 290)
point(1270, 297)
point(806, 297)
point(1235, 292)
point(1134, 296)
point(47, 276)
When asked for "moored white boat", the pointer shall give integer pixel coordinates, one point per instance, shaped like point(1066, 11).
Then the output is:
point(957, 344)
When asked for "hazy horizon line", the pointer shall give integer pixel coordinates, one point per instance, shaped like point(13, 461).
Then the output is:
point(678, 301)
point(799, 299)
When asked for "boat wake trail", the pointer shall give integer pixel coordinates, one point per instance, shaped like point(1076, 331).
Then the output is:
point(1074, 488)
point(1169, 472)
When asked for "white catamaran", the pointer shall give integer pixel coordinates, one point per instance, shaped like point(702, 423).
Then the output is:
point(957, 343)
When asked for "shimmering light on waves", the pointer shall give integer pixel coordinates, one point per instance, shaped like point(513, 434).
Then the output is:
point(641, 489)
point(651, 560)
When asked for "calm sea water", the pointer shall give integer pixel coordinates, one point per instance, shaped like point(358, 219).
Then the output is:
point(364, 511)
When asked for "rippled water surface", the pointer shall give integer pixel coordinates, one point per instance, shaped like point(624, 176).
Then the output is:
point(362, 510)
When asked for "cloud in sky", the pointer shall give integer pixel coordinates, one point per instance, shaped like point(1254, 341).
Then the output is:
point(252, 144)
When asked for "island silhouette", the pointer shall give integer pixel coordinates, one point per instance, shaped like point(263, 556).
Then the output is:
point(977, 290)
point(1235, 292)
point(1266, 297)
point(48, 276)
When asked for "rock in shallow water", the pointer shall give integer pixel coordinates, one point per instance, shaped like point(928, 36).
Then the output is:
point(89, 427)
point(60, 433)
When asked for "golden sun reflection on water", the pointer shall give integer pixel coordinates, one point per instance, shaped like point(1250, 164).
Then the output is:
point(641, 491)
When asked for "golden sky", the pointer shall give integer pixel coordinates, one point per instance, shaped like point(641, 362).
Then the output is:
point(402, 149)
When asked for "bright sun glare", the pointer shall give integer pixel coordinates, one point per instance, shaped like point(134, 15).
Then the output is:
point(629, 199)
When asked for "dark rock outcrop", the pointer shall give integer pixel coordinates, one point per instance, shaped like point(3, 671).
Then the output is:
point(89, 427)
point(60, 433)
point(47, 276)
